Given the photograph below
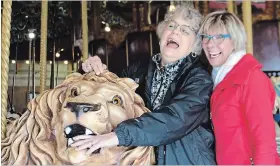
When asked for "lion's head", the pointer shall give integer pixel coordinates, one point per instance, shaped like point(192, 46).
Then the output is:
point(82, 104)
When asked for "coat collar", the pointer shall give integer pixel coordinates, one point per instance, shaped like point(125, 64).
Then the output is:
point(240, 72)
point(186, 64)
point(219, 73)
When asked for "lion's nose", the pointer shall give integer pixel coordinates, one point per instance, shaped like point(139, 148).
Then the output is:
point(81, 108)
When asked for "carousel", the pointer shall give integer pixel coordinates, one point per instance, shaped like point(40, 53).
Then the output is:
point(44, 44)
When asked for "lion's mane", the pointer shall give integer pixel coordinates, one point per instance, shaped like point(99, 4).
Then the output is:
point(31, 138)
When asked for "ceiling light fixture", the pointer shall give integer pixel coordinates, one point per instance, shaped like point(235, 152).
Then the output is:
point(107, 28)
point(31, 34)
point(57, 55)
point(172, 6)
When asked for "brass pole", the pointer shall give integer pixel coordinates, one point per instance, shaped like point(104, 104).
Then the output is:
point(29, 68)
point(151, 44)
point(157, 16)
point(230, 7)
point(5, 53)
point(33, 68)
point(106, 54)
point(84, 30)
point(149, 13)
point(196, 5)
point(126, 52)
point(52, 82)
point(69, 68)
point(43, 46)
point(247, 20)
point(205, 10)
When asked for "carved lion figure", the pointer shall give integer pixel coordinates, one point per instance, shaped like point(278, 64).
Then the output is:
point(82, 104)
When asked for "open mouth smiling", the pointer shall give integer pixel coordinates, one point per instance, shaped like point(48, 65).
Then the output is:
point(172, 43)
point(214, 54)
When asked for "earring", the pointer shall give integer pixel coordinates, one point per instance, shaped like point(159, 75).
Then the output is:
point(193, 54)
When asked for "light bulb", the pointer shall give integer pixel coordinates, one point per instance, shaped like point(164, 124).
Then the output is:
point(57, 55)
point(107, 28)
point(172, 8)
point(31, 35)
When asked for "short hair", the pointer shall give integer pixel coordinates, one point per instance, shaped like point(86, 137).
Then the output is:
point(228, 21)
point(190, 15)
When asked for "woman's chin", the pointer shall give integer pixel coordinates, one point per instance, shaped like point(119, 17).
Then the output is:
point(215, 64)
point(170, 51)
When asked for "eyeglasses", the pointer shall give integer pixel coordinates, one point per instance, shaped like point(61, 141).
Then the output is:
point(217, 39)
point(184, 29)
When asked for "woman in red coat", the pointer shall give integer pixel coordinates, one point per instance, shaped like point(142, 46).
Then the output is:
point(243, 97)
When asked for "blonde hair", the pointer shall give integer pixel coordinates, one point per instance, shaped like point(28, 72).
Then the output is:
point(231, 23)
point(189, 14)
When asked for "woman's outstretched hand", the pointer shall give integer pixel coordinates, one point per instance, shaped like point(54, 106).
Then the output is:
point(94, 64)
point(95, 142)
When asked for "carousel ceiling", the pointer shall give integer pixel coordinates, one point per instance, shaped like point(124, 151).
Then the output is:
point(26, 16)
point(64, 23)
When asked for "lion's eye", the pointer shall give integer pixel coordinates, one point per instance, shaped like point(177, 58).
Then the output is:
point(117, 100)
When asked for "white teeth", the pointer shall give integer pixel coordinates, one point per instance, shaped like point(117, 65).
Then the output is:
point(214, 53)
point(88, 132)
point(67, 130)
point(169, 40)
point(70, 141)
point(214, 56)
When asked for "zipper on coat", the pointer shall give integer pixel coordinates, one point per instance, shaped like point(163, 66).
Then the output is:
point(251, 160)
point(212, 126)
point(164, 154)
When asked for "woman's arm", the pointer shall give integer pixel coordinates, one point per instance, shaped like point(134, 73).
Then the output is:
point(184, 113)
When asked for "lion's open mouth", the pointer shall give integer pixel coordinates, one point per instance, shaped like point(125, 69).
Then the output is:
point(75, 130)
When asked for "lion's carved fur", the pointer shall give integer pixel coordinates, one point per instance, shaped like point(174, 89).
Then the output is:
point(37, 136)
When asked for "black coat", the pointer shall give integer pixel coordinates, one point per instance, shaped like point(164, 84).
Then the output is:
point(180, 128)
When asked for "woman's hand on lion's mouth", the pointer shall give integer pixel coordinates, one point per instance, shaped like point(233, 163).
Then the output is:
point(94, 143)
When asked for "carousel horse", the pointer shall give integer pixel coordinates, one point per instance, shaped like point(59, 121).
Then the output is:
point(82, 104)
point(276, 111)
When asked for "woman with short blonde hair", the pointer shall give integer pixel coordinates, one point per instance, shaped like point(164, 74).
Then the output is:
point(230, 22)
point(243, 96)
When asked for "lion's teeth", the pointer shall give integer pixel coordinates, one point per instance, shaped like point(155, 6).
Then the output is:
point(70, 141)
point(88, 132)
point(67, 130)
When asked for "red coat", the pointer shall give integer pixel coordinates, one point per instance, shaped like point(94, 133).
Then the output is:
point(241, 111)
